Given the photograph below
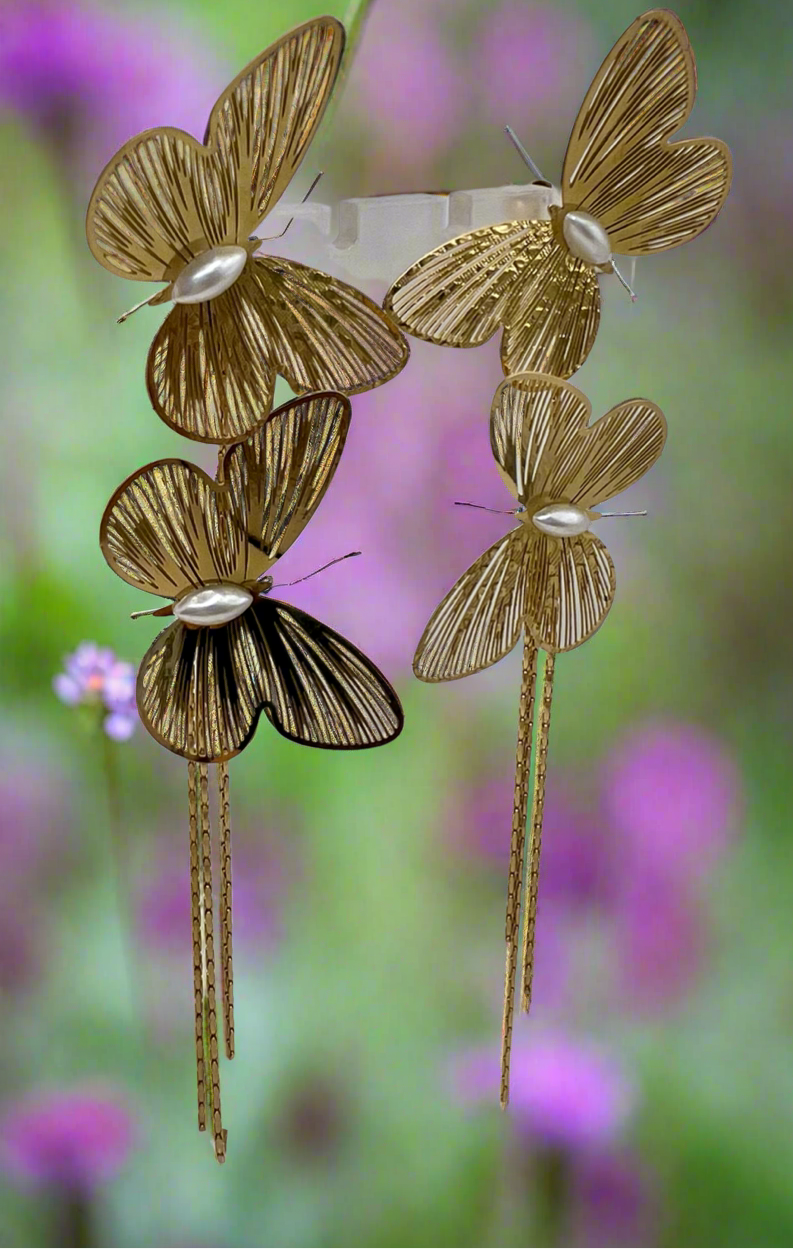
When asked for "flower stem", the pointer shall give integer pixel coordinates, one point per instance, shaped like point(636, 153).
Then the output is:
point(120, 869)
point(73, 1222)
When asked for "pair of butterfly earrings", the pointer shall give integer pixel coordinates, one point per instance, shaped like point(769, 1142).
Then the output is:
point(168, 208)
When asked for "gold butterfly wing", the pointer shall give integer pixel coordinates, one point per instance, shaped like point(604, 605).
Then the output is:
point(514, 275)
point(648, 193)
point(480, 619)
point(164, 197)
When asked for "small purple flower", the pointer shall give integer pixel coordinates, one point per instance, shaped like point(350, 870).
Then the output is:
point(68, 1140)
point(565, 1094)
point(94, 677)
point(617, 1201)
point(661, 936)
point(673, 794)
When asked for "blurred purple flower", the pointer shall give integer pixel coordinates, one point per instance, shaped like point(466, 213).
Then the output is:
point(673, 795)
point(576, 841)
point(88, 78)
point(661, 937)
point(164, 902)
point(565, 1093)
point(93, 676)
point(616, 1202)
point(66, 1140)
point(528, 60)
point(407, 86)
point(414, 447)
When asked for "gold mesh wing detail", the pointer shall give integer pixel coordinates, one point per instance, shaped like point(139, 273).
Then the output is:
point(481, 617)
point(571, 588)
point(200, 691)
point(265, 120)
point(210, 374)
point(170, 527)
point(609, 456)
point(553, 314)
point(165, 198)
point(534, 423)
point(160, 201)
point(648, 193)
point(322, 333)
point(279, 475)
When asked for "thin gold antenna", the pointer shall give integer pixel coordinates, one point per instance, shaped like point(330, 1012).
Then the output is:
point(143, 303)
point(271, 237)
point(497, 511)
point(338, 560)
point(625, 283)
point(226, 959)
point(535, 836)
point(515, 882)
point(523, 154)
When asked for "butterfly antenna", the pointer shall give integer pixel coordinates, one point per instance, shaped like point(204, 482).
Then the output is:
point(125, 316)
point(338, 560)
point(622, 514)
point(497, 511)
point(625, 283)
point(305, 198)
point(524, 155)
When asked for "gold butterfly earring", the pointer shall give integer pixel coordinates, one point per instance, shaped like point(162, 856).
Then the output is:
point(233, 651)
point(550, 579)
point(170, 209)
point(626, 189)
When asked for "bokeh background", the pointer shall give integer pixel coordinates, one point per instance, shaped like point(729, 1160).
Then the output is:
point(653, 1085)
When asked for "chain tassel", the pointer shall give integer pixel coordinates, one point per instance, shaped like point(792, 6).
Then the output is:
point(515, 883)
point(535, 836)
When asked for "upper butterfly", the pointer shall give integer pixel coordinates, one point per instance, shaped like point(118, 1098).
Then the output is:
point(169, 209)
point(625, 189)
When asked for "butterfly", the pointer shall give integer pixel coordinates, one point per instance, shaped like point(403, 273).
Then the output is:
point(625, 189)
point(170, 209)
point(549, 578)
point(233, 651)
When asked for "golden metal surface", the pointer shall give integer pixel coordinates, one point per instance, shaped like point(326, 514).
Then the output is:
point(198, 945)
point(516, 849)
point(170, 529)
point(535, 835)
point(647, 193)
point(555, 589)
point(225, 896)
point(165, 199)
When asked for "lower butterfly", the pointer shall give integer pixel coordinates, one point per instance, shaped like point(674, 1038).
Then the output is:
point(549, 579)
point(233, 651)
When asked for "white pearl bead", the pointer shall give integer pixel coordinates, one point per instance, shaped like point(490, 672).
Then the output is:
point(213, 604)
point(586, 238)
point(209, 274)
point(561, 520)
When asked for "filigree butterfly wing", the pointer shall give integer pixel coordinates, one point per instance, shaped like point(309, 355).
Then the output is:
point(571, 586)
point(323, 333)
point(159, 202)
point(164, 197)
point(201, 691)
point(170, 528)
point(263, 123)
point(514, 275)
point(610, 455)
point(480, 619)
point(535, 421)
point(279, 475)
point(648, 193)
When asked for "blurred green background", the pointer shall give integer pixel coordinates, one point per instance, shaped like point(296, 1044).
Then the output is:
point(653, 1085)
